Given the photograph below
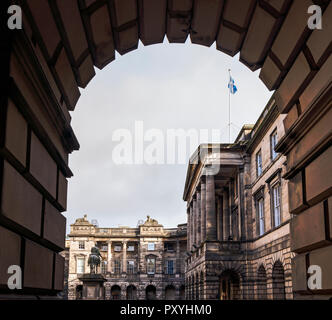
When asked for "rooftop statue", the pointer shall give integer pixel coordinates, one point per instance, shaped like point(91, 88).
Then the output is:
point(151, 221)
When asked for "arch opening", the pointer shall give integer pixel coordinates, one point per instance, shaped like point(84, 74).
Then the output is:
point(170, 292)
point(278, 281)
point(116, 292)
point(131, 292)
point(151, 292)
point(229, 282)
point(261, 283)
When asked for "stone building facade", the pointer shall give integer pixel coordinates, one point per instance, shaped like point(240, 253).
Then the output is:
point(44, 64)
point(147, 262)
point(238, 216)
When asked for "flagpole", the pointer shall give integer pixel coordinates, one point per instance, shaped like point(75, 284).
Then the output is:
point(229, 110)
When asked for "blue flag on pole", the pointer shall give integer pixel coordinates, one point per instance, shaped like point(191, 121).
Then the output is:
point(231, 86)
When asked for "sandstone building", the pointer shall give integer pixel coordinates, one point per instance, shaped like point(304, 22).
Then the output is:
point(147, 262)
point(238, 216)
point(44, 64)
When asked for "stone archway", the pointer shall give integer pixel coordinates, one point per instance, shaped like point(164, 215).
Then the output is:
point(229, 285)
point(151, 292)
point(170, 292)
point(261, 283)
point(116, 292)
point(278, 281)
point(131, 292)
point(44, 64)
point(79, 292)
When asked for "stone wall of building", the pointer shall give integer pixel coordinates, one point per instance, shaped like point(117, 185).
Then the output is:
point(146, 262)
point(244, 251)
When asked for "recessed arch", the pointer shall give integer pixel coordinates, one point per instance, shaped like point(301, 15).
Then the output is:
point(115, 292)
point(151, 292)
point(230, 286)
point(170, 292)
point(261, 283)
point(131, 292)
point(278, 281)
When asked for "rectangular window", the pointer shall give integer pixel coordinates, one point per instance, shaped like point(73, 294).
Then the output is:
point(150, 265)
point(117, 248)
point(130, 267)
point(273, 141)
point(169, 246)
point(131, 248)
point(276, 205)
point(117, 266)
point(103, 267)
point(259, 164)
point(81, 245)
point(261, 222)
point(169, 267)
point(80, 265)
point(151, 246)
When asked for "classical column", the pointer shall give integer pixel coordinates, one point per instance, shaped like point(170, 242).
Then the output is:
point(178, 261)
point(241, 204)
point(211, 230)
point(124, 256)
point(109, 256)
point(198, 217)
point(188, 228)
point(226, 214)
point(220, 218)
point(195, 220)
point(203, 208)
point(191, 226)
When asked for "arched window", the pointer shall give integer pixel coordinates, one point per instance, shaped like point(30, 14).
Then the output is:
point(170, 292)
point(261, 284)
point(131, 293)
point(150, 292)
point(278, 281)
point(115, 293)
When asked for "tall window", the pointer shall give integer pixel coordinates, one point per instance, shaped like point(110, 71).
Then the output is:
point(130, 267)
point(151, 265)
point(80, 265)
point(117, 248)
point(273, 142)
point(103, 267)
point(259, 164)
point(276, 205)
point(117, 266)
point(261, 223)
point(131, 248)
point(169, 267)
point(169, 246)
point(81, 245)
point(151, 246)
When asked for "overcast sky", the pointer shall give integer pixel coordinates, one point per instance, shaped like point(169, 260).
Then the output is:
point(167, 86)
